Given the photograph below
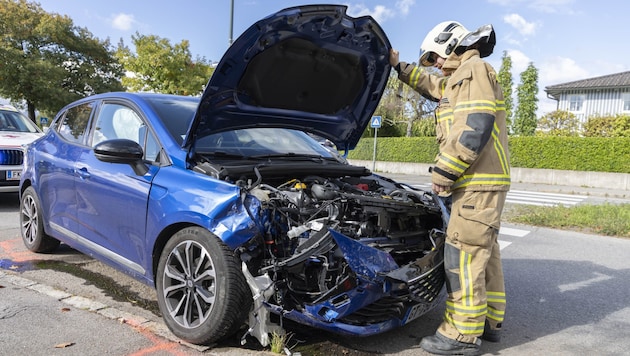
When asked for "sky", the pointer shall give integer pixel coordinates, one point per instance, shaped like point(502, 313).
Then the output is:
point(566, 40)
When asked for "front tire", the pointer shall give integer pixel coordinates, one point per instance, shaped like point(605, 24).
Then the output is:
point(202, 293)
point(32, 224)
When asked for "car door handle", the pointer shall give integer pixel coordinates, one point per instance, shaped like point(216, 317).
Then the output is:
point(83, 173)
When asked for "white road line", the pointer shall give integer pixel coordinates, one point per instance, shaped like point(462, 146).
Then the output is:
point(504, 244)
point(549, 195)
point(542, 199)
point(513, 232)
point(510, 232)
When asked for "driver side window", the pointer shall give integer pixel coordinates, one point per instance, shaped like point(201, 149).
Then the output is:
point(116, 121)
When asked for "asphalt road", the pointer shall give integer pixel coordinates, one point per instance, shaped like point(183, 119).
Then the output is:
point(567, 295)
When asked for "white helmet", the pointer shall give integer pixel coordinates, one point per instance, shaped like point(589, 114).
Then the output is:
point(450, 36)
point(441, 40)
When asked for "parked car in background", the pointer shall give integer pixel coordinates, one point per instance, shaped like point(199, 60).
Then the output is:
point(16, 131)
point(229, 206)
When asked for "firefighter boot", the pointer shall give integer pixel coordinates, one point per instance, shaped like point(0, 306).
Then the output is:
point(441, 345)
point(492, 335)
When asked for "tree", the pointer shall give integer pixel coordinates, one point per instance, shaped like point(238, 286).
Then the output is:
point(559, 123)
point(47, 62)
point(390, 109)
point(401, 105)
point(505, 80)
point(161, 67)
point(526, 91)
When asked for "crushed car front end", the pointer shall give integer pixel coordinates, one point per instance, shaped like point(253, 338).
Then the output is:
point(337, 247)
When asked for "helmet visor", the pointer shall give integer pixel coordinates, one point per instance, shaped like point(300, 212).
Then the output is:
point(428, 58)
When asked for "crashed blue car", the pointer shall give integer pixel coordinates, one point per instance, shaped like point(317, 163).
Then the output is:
point(230, 205)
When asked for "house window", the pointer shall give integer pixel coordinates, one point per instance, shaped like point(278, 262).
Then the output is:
point(576, 102)
point(626, 102)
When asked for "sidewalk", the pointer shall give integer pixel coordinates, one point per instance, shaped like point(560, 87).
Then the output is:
point(61, 323)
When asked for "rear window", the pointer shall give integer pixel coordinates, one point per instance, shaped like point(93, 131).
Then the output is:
point(74, 123)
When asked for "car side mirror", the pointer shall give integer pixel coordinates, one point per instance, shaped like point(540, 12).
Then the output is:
point(122, 151)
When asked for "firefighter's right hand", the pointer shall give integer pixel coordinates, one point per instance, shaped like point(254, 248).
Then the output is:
point(394, 57)
point(440, 188)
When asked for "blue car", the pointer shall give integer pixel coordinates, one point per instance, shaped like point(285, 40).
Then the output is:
point(229, 205)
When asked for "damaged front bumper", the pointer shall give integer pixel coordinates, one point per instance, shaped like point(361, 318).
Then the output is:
point(380, 296)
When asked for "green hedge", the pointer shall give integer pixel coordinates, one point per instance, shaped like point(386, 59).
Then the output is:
point(597, 154)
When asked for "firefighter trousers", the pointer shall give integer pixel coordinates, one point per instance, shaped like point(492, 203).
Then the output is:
point(472, 262)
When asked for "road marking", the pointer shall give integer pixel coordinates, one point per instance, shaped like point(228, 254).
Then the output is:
point(513, 232)
point(543, 199)
point(510, 232)
point(504, 244)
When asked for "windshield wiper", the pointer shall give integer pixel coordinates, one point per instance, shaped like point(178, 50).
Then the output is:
point(223, 154)
point(293, 156)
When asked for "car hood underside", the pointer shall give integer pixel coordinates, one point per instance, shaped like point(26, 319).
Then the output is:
point(311, 68)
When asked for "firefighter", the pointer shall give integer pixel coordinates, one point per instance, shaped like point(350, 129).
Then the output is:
point(473, 165)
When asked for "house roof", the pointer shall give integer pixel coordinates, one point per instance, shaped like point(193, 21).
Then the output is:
point(607, 81)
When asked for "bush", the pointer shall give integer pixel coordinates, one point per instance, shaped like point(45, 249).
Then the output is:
point(558, 123)
point(607, 126)
point(397, 149)
point(596, 154)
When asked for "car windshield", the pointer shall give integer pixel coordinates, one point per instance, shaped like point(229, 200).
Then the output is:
point(262, 143)
point(16, 122)
point(176, 113)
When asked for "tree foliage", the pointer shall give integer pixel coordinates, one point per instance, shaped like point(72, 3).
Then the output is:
point(525, 114)
point(402, 107)
point(46, 61)
point(559, 123)
point(158, 66)
point(424, 127)
point(505, 80)
point(607, 126)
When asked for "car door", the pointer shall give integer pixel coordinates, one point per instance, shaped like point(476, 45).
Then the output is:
point(111, 198)
point(56, 179)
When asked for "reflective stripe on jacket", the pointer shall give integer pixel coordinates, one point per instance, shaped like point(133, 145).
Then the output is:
point(471, 124)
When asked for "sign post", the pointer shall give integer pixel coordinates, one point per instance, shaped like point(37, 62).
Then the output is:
point(376, 123)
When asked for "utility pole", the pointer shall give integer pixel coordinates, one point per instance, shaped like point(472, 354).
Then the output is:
point(231, 22)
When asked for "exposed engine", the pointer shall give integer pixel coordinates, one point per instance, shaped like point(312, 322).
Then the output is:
point(297, 250)
point(336, 244)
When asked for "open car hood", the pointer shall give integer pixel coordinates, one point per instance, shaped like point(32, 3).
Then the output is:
point(311, 68)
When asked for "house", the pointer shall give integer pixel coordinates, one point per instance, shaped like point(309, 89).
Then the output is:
point(605, 95)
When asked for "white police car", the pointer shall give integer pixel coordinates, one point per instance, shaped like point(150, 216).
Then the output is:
point(16, 130)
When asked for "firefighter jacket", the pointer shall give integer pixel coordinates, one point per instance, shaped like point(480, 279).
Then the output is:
point(471, 124)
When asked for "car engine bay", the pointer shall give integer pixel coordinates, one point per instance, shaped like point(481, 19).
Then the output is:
point(327, 236)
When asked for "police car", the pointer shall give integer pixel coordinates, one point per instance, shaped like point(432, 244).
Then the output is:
point(16, 131)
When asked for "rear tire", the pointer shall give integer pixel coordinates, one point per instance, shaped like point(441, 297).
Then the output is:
point(32, 224)
point(201, 290)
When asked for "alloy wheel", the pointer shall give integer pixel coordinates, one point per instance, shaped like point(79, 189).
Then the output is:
point(189, 286)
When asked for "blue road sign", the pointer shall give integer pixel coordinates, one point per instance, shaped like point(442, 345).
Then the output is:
point(376, 121)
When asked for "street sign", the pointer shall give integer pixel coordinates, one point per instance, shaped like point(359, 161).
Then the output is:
point(376, 122)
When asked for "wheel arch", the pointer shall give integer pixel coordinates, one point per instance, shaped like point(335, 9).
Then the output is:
point(161, 241)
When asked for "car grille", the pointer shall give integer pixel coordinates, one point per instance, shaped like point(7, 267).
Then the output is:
point(10, 157)
point(425, 290)
point(381, 310)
